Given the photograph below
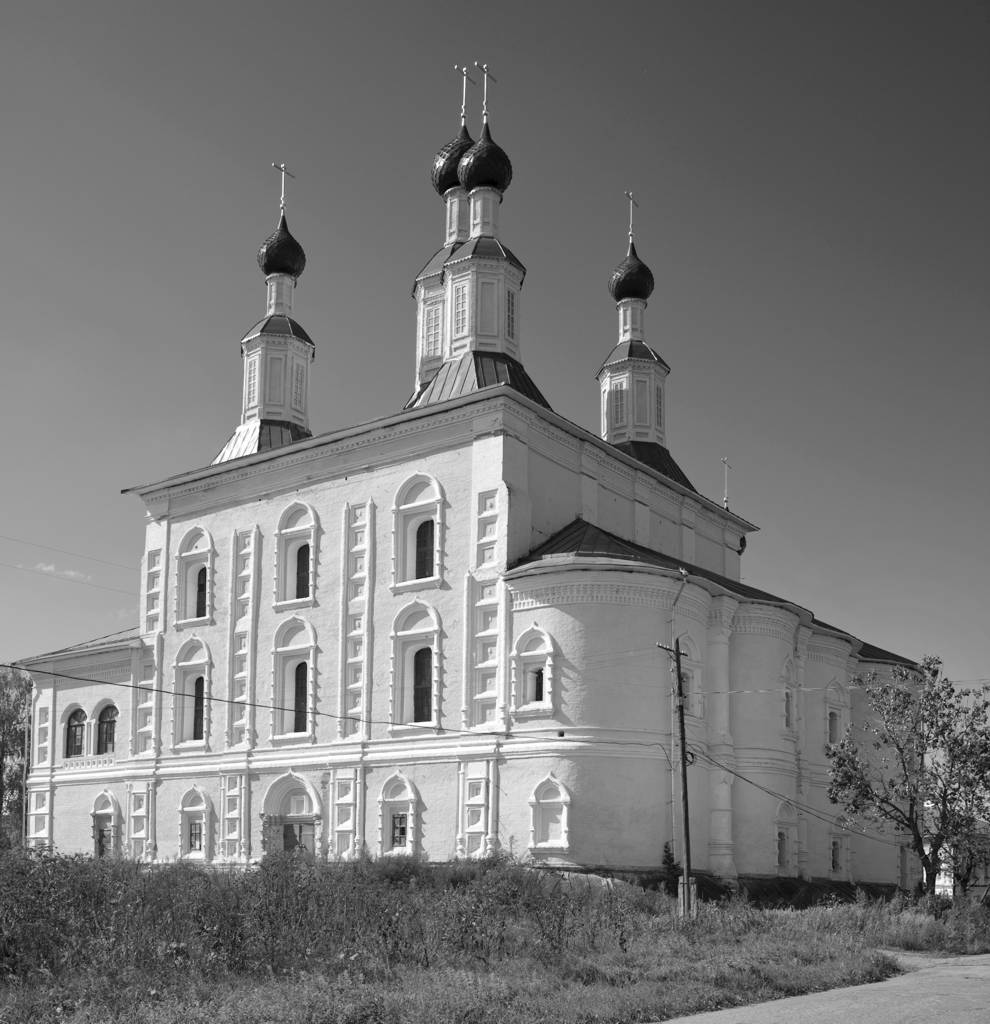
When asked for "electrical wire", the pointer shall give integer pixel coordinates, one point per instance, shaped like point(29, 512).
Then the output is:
point(67, 579)
point(65, 551)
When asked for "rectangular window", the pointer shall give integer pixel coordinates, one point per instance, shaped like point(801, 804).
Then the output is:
point(659, 407)
point(195, 836)
point(836, 859)
point(510, 315)
point(618, 405)
point(252, 382)
point(431, 330)
point(642, 404)
point(460, 310)
point(399, 830)
point(299, 386)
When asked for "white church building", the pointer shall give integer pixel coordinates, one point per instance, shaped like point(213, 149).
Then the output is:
point(435, 633)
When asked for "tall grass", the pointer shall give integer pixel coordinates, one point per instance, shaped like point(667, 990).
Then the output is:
point(94, 941)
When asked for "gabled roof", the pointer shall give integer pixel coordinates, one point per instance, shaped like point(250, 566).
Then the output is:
point(581, 539)
point(654, 455)
point(475, 371)
point(119, 639)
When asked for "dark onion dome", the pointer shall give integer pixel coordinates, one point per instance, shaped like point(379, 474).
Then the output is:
point(485, 163)
point(632, 278)
point(444, 173)
point(281, 253)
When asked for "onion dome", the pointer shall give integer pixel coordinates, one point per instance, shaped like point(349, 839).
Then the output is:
point(632, 278)
point(281, 253)
point(485, 163)
point(444, 174)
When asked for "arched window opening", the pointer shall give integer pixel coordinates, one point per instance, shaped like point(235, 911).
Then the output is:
point(423, 685)
point(549, 809)
point(199, 692)
point(195, 818)
point(302, 571)
point(781, 850)
point(105, 730)
point(398, 808)
point(106, 821)
point(201, 593)
point(424, 549)
point(299, 702)
point(533, 674)
point(75, 731)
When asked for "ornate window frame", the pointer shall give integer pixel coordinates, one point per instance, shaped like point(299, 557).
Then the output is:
point(192, 661)
point(416, 626)
point(836, 712)
point(534, 652)
point(102, 718)
point(549, 795)
point(297, 526)
point(106, 805)
point(80, 727)
point(398, 796)
point(196, 552)
point(419, 500)
point(785, 839)
point(196, 809)
point(295, 645)
point(277, 811)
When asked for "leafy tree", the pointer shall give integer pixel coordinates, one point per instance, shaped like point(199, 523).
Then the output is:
point(15, 695)
point(920, 762)
point(671, 871)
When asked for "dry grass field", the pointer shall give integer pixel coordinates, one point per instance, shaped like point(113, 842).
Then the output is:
point(89, 942)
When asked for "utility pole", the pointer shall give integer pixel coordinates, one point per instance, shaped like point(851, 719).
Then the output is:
point(685, 886)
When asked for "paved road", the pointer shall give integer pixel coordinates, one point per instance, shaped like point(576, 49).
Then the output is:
point(947, 990)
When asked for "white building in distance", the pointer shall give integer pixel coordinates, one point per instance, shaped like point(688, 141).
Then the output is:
point(435, 633)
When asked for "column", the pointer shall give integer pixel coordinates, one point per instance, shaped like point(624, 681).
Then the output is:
point(720, 843)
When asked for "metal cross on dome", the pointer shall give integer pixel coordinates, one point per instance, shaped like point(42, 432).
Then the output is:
point(285, 173)
point(632, 203)
point(483, 68)
point(465, 79)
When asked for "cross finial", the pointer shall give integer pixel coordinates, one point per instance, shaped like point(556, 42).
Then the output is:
point(483, 68)
point(465, 78)
point(725, 479)
point(632, 203)
point(285, 174)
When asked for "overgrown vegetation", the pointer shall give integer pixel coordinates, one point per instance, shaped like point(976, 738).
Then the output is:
point(94, 941)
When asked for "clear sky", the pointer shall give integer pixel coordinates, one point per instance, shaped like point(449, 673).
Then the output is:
point(813, 204)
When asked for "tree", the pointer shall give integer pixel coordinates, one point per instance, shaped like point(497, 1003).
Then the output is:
point(671, 871)
point(15, 699)
point(920, 762)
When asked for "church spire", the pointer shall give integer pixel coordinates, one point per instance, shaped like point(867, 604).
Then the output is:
point(276, 352)
point(633, 377)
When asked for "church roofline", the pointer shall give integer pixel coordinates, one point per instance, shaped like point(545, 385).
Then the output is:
point(121, 641)
point(493, 393)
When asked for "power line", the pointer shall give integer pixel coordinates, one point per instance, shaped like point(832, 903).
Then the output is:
point(65, 551)
point(67, 579)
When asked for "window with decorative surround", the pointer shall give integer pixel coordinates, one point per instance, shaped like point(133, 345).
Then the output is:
point(617, 404)
point(417, 534)
point(295, 557)
point(106, 825)
point(414, 697)
point(75, 734)
point(510, 314)
point(835, 713)
point(785, 839)
point(106, 729)
point(549, 811)
point(195, 825)
point(191, 706)
point(533, 674)
point(460, 309)
point(194, 578)
point(398, 817)
point(432, 315)
point(292, 690)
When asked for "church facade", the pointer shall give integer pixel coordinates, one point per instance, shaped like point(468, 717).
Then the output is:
point(436, 633)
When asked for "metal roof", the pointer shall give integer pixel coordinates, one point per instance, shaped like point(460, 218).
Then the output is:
point(260, 436)
point(475, 371)
point(279, 324)
point(654, 455)
point(121, 638)
point(485, 247)
point(633, 350)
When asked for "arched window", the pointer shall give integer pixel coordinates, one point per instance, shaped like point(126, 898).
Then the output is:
point(533, 674)
point(398, 817)
point(105, 730)
point(835, 712)
point(75, 734)
point(195, 825)
point(415, 692)
point(417, 533)
point(291, 816)
point(300, 698)
point(785, 839)
point(423, 685)
point(194, 592)
point(549, 811)
point(295, 561)
point(302, 571)
point(788, 697)
point(191, 722)
point(833, 727)
point(295, 649)
point(424, 549)
point(106, 825)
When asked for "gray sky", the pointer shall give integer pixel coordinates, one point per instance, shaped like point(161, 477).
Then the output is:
point(813, 204)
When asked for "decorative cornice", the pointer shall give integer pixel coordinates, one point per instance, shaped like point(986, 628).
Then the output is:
point(828, 650)
point(765, 620)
